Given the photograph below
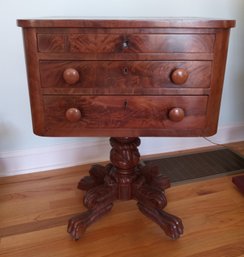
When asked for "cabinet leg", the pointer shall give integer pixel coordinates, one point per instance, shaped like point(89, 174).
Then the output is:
point(98, 199)
point(171, 224)
point(78, 224)
point(149, 191)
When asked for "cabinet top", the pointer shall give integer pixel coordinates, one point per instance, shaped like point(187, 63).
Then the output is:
point(109, 22)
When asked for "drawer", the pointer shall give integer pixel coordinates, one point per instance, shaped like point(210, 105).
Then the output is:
point(71, 115)
point(125, 74)
point(125, 43)
point(54, 43)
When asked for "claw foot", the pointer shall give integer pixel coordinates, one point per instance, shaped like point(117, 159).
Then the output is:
point(171, 224)
point(77, 225)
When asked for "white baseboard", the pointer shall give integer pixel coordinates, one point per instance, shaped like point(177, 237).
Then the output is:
point(72, 154)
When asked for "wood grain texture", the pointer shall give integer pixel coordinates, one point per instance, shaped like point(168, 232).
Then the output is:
point(102, 112)
point(35, 208)
point(175, 22)
point(122, 116)
point(120, 58)
point(140, 43)
point(217, 80)
point(46, 42)
point(126, 74)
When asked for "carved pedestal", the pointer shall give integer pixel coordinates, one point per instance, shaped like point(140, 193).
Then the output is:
point(124, 179)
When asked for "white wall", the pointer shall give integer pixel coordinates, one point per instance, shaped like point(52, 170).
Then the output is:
point(16, 134)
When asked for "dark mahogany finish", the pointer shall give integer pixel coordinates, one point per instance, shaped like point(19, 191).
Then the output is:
point(180, 76)
point(109, 75)
point(125, 79)
point(125, 179)
point(71, 76)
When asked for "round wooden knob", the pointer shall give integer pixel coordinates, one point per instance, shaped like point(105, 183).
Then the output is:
point(71, 76)
point(179, 76)
point(176, 114)
point(73, 114)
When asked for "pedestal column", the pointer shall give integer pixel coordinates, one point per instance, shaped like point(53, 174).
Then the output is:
point(124, 179)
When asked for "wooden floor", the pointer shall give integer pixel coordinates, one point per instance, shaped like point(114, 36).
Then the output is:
point(34, 210)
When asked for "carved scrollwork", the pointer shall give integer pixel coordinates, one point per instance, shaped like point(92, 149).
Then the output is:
point(124, 154)
point(125, 178)
point(172, 225)
point(78, 224)
point(155, 178)
point(100, 195)
point(150, 196)
point(97, 174)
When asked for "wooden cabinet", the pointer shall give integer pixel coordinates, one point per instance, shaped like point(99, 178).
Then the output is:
point(125, 79)
point(121, 60)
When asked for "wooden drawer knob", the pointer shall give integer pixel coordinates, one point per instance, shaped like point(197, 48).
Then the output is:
point(176, 114)
point(73, 114)
point(71, 76)
point(179, 76)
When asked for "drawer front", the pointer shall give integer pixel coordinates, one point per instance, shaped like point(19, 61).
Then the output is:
point(69, 115)
point(53, 43)
point(125, 74)
point(128, 43)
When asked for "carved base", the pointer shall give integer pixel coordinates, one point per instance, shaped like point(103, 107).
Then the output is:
point(125, 179)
